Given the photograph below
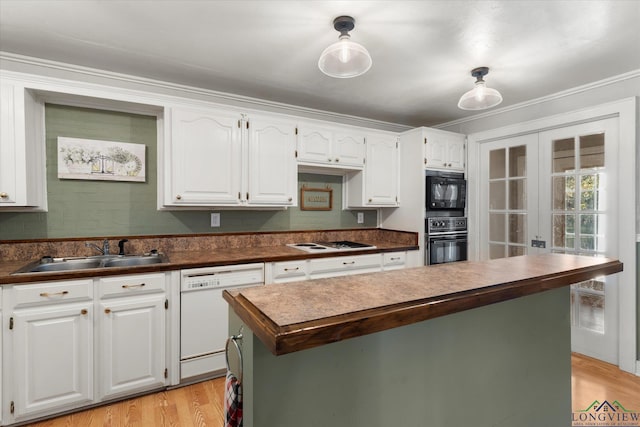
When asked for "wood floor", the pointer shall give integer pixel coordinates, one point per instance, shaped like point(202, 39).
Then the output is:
point(200, 405)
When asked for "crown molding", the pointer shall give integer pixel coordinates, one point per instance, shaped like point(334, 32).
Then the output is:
point(217, 96)
point(565, 93)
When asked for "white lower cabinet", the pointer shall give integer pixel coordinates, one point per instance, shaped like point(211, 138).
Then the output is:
point(132, 328)
point(287, 271)
point(317, 268)
point(51, 349)
point(394, 260)
point(65, 349)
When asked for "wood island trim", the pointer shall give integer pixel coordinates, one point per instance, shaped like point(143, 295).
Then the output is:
point(284, 339)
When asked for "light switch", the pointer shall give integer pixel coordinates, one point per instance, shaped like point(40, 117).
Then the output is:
point(215, 219)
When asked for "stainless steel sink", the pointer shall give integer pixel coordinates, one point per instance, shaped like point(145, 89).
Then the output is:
point(130, 261)
point(49, 264)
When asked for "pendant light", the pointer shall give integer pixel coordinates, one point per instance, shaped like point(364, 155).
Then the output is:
point(344, 58)
point(480, 97)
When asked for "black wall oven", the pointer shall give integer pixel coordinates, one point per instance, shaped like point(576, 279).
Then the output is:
point(445, 240)
point(445, 191)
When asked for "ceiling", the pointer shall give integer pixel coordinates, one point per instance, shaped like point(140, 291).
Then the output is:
point(423, 51)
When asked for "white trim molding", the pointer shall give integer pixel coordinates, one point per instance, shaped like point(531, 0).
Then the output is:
point(222, 98)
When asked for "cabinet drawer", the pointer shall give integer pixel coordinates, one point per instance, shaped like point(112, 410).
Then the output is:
point(53, 292)
point(289, 271)
point(342, 266)
point(393, 260)
point(118, 286)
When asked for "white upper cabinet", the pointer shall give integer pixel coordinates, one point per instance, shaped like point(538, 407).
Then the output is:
point(22, 165)
point(444, 150)
point(377, 185)
point(204, 158)
point(330, 147)
point(218, 157)
point(272, 170)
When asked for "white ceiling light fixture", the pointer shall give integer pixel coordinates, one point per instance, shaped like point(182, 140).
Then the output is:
point(344, 58)
point(480, 97)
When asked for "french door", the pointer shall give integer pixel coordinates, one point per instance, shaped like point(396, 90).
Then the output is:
point(555, 191)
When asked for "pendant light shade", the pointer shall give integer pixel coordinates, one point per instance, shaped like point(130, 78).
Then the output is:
point(480, 97)
point(344, 58)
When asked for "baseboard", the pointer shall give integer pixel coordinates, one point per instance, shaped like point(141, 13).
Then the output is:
point(638, 368)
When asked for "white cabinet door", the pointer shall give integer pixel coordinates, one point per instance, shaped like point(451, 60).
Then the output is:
point(52, 358)
point(22, 165)
point(205, 158)
point(394, 260)
point(287, 271)
point(272, 169)
point(132, 344)
point(381, 171)
point(314, 144)
point(328, 146)
point(344, 266)
point(348, 149)
point(444, 150)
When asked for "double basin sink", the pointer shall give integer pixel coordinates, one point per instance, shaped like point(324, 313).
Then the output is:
point(49, 264)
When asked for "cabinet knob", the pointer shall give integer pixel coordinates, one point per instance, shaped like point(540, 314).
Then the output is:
point(370, 200)
point(178, 197)
point(445, 165)
point(84, 311)
point(107, 310)
point(291, 199)
point(329, 159)
point(337, 160)
point(4, 195)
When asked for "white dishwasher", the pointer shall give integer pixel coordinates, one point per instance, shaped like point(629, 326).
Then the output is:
point(204, 320)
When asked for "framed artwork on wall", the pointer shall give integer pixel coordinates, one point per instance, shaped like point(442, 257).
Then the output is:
point(92, 159)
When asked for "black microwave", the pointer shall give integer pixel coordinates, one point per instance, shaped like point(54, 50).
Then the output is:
point(445, 191)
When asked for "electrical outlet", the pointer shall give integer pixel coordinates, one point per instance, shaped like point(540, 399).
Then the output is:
point(215, 219)
point(360, 217)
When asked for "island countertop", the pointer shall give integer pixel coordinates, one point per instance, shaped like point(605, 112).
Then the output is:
point(295, 316)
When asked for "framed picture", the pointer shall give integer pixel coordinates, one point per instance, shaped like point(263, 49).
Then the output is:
point(100, 160)
point(316, 199)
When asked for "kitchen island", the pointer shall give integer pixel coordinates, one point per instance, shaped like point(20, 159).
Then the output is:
point(470, 343)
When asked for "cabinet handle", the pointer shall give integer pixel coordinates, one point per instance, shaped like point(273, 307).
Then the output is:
point(394, 259)
point(4, 195)
point(84, 311)
point(107, 310)
point(178, 197)
point(47, 294)
point(348, 263)
point(425, 160)
point(292, 269)
point(133, 286)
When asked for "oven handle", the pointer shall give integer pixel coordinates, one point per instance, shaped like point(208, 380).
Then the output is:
point(447, 233)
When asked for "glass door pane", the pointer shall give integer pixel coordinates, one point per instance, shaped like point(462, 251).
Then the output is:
point(507, 167)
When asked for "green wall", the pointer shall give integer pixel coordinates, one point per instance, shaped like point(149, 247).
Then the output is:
point(502, 365)
point(101, 208)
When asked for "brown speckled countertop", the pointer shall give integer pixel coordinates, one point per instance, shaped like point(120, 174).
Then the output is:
point(200, 251)
point(292, 317)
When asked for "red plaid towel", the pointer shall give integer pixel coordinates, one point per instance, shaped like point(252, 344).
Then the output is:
point(232, 401)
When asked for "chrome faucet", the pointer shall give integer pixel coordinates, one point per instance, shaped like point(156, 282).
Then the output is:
point(104, 250)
